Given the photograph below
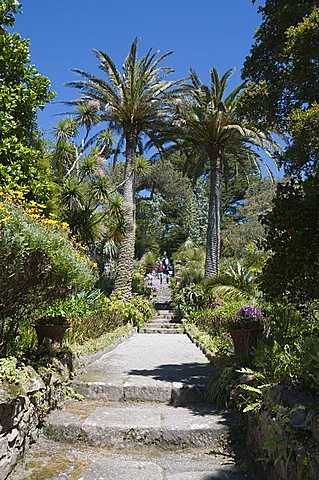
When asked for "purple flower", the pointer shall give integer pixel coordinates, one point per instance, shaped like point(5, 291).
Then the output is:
point(249, 312)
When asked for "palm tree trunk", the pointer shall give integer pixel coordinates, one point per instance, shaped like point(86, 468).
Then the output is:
point(213, 228)
point(123, 280)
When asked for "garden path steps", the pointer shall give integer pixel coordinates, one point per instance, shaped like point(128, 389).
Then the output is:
point(143, 418)
point(164, 320)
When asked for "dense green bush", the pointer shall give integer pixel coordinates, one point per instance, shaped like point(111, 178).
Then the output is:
point(38, 262)
point(292, 236)
point(288, 353)
point(191, 298)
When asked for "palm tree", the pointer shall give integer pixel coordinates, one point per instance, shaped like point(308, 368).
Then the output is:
point(209, 124)
point(133, 102)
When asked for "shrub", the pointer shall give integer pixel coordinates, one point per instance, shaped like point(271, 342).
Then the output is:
point(289, 351)
point(292, 229)
point(190, 299)
point(39, 262)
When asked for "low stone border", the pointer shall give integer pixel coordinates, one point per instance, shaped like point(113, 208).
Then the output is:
point(208, 354)
point(23, 406)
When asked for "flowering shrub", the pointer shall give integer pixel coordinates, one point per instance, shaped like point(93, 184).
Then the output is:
point(247, 316)
point(39, 262)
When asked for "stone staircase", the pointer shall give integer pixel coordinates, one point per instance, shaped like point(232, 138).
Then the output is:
point(164, 321)
point(144, 417)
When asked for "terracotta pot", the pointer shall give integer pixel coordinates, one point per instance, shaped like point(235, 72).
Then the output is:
point(245, 339)
point(52, 332)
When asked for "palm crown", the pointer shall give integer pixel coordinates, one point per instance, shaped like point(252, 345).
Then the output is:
point(137, 97)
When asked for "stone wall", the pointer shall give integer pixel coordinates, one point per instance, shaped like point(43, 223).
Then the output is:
point(23, 405)
point(285, 433)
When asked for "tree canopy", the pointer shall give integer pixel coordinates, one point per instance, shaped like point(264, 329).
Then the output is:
point(23, 162)
point(283, 74)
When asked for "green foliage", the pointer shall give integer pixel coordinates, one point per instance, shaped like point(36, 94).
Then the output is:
point(251, 395)
point(189, 299)
point(7, 10)
point(288, 353)
point(38, 262)
point(138, 282)
point(303, 152)
point(220, 387)
point(23, 162)
point(90, 316)
point(207, 320)
point(211, 333)
point(292, 238)
point(10, 371)
point(283, 71)
point(234, 283)
point(242, 233)
point(148, 262)
point(189, 264)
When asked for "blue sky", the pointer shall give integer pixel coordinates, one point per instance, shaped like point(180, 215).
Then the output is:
point(202, 34)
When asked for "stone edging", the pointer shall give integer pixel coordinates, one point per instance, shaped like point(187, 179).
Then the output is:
point(208, 354)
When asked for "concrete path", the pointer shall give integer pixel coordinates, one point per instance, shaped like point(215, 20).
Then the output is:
point(153, 367)
point(143, 417)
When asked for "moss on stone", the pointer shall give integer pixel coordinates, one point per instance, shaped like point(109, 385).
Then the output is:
point(82, 409)
point(78, 470)
point(57, 465)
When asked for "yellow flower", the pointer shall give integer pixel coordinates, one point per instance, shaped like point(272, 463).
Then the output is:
point(94, 265)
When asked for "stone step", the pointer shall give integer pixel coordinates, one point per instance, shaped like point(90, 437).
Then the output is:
point(133, 425)
point(177, 330)
point(165, 312)
point(168, 327)
point(163, 321)
point(161, 325)
point(143, 390)
point(163, 306)
point(165, 318)
point(162, 368)
point(55, 461)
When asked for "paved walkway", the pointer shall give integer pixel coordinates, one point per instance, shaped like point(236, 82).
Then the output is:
point(143, 417)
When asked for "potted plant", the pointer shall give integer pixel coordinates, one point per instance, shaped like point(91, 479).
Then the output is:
point(51, 325)
point(245, 328)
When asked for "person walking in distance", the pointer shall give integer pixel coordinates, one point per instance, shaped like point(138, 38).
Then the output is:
point(167, 267)
point(160, 272)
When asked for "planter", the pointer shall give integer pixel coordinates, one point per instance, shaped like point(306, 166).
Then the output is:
point(245, 339)
point(51, 328)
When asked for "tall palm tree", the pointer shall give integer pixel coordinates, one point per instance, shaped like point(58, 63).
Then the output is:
point(209, 124)
point(134, 102)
